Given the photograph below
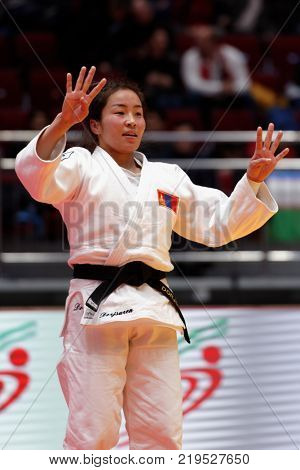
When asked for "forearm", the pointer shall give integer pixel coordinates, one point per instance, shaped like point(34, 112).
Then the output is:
point(50, 137)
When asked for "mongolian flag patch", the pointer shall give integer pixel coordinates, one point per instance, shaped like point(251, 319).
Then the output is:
point(168, 200)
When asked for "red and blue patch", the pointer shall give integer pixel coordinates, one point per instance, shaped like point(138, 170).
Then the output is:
point(168, 200)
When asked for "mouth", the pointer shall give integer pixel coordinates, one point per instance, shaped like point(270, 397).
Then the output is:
point(130, 134)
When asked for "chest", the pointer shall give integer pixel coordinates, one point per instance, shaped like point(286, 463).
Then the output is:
point(109, 193)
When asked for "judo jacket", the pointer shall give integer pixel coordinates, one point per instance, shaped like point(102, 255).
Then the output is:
point(109, 223)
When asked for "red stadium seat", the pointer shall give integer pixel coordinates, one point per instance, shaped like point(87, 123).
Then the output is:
point(47, 87)
point(234, 119)
point(199, 12)
point(275, 82)
point(13, 118)
point(285, 53)
point(179, 116)
point(6, 52)
point(37, 47)
point(247, 43)
point(10, 87)
point(183, 41)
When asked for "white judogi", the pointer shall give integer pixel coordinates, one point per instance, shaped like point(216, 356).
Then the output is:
point(112, 221)
point(109, 223)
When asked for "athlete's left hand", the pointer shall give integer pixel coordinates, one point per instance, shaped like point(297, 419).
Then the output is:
point(264, 160)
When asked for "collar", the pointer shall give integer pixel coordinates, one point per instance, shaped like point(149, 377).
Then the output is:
point(139, 157)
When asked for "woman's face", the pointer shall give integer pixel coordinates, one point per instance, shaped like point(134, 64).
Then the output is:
point(122, 123)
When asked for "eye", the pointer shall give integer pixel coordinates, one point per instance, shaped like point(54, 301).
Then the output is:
point(120, 112)
point(139, 114)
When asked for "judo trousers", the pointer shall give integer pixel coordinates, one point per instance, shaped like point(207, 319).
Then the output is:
point(129, 365)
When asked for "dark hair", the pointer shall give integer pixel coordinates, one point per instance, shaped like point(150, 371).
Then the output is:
point(89, 140)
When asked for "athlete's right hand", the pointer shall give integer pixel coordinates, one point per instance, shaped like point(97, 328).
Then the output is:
point(76, 103)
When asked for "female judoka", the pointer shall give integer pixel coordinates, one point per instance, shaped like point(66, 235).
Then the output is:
point(121, 319)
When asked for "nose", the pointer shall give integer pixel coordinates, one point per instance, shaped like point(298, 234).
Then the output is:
point(130, 121)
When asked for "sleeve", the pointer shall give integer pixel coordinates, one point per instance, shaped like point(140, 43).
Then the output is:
point(209, 217)
point(237, 66)
point(254, 185)
point(51, 181)
point(190, 71)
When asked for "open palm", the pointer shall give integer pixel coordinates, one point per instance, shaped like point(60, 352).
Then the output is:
point(76, 103)
point(264, 159)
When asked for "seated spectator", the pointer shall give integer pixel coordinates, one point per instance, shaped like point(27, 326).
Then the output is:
point(38, 119)
point(213, 72)
point(185, 149)
point(130, 36)
point(158, 71)
point(292, 88)
point(156, 121)
point(234, 15)
point(28, 222)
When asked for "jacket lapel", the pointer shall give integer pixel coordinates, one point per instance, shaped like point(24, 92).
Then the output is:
point(136, 208)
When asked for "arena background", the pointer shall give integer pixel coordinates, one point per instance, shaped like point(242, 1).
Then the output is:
point(241, 373)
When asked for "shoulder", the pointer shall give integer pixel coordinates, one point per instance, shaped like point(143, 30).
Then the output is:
point(190, 54)
point(232, 52)
point(75, 153)
point(169, 169)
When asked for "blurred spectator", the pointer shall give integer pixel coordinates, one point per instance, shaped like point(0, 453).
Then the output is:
point(28, 222)
point(283, 118)
point(118, 11)
point(83, 32)
point(226, 179)
point(134, 31)
point(213, 69)
point(158, 71)
point(163, 9)
point(234, 15)
point(143, 19)
point(184, 149)
point(26, 13)
point(275, 14)
point(156, 121)
point(106, 69)
point(38, 120)
point(213, 72)
point(292, 88)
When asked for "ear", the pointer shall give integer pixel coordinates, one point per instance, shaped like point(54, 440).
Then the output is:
point(95, 126)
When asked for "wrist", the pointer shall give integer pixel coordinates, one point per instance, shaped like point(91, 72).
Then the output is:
point(61, 125)
point(253, 179)
point(255, 185)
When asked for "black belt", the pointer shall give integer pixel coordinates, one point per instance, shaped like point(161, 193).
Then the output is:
point(134, 274)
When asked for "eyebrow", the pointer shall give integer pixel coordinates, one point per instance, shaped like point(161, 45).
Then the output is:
point(125, 106)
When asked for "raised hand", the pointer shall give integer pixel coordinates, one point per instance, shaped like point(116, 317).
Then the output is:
point(76, 103)
point(264, 160)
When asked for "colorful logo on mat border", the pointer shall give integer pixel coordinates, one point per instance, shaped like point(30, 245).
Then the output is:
point(18, 358)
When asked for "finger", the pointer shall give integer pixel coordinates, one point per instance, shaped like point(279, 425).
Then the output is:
point(69, 83)
point(269, 135)
point(259, 144)
point(84, 103)
point(89, 79)
point(276, 142)
point(282, 154)
point(97, 89)
point(80, 79)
